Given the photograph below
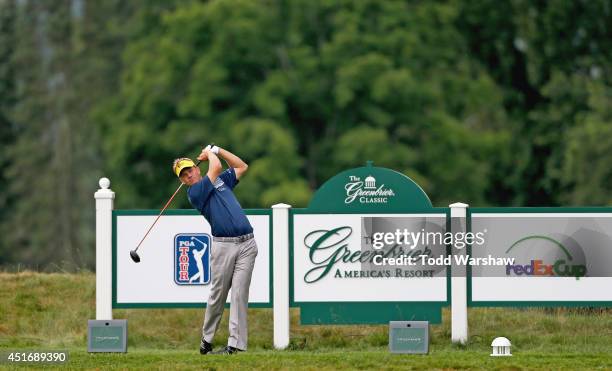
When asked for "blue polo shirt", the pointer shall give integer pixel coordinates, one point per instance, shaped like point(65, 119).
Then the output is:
point(217, 203)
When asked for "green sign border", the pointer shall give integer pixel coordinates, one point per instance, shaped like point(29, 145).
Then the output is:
point(363, 313)
point(529, 210)
point(116, 213)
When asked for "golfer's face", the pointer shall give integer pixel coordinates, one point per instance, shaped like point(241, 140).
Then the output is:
point(190, 175)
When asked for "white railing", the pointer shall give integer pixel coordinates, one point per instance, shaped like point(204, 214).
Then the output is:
point(280, 280)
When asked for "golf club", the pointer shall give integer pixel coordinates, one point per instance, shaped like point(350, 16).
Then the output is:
point(134, 253)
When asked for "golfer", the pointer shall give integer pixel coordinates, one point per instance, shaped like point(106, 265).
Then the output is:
point(233, 250)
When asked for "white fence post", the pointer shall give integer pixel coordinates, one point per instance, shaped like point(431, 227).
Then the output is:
point(280, 276)
point(459, 320)
point(104, 232)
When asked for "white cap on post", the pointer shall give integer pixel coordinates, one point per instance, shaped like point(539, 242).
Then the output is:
point(281, 206)
point(458, 209)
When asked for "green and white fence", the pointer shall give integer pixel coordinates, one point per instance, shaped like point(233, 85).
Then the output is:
point(322, 259)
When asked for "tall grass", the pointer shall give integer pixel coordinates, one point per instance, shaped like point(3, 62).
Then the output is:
point(51, 311)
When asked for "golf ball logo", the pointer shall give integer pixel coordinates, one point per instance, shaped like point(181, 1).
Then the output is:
point(192, 259)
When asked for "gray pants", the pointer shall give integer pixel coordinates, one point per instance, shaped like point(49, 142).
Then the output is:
point(232, 266)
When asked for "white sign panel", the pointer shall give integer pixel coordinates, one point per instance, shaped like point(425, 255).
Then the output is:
point(556, 257)
point(334, 256)
point(174, 267)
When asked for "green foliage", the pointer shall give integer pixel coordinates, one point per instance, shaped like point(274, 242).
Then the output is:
point(273, 175)
point(300, 90)
point(59, 69)
point(7, 101)
point(488, 102)
point(543, 55)
point(587, 177)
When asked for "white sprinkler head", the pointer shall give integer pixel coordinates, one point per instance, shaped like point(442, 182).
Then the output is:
point(501, 347)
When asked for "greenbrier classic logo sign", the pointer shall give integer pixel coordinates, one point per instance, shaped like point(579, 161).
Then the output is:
point(366, 191)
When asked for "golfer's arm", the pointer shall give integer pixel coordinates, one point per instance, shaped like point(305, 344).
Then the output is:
point(214, 167)
point(240, 167)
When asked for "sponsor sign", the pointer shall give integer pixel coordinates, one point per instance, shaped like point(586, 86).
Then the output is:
point(338, 274)
point(554, 257)
point(335, 259)
point(366, 191)
point(192, 258)
point(175, 260)
point(369, 189)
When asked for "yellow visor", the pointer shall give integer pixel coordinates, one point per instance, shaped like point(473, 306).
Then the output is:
point(183, 164)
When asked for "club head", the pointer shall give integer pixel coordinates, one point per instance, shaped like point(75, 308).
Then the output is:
point(134, 256)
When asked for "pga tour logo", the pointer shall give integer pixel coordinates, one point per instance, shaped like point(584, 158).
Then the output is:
point(366, 192)
point(192, 259)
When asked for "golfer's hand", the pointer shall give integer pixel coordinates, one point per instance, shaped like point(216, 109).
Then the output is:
point(204, 154)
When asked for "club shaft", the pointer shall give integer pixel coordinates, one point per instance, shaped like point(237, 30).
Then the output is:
point(160, 214)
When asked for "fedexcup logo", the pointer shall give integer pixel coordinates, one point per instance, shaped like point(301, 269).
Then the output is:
point(561, 263)
point(192, 259)
point(366, 191)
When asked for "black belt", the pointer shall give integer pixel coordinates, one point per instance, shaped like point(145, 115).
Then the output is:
point(242, 238)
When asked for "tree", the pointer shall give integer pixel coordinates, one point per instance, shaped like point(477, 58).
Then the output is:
point(587, 176)
point(536, 51)
point(58, 72)
point(326, 73)
point(7, 101)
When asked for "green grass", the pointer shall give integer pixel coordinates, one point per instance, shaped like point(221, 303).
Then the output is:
point(50, 311)
point(333, 360)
